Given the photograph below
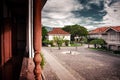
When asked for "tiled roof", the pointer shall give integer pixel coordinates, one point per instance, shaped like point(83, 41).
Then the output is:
point(116, 28)
point(104, 29)
point(98, 30)
point(58, 31)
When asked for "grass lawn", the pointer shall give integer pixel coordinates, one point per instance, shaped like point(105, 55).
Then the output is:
point(101, 49)
point(73, 45)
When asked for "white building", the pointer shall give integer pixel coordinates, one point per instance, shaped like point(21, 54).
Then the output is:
point(58, 32)
point(98, 33)
point(110, 34)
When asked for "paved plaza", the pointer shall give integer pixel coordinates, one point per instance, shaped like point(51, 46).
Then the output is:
point(87, 64)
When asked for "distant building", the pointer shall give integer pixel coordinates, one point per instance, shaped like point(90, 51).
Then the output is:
point(110, 34)
point(98, 32)
point(58, 32)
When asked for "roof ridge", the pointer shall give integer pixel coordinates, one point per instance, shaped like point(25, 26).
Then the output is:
point(58, 31)
point(104, 29)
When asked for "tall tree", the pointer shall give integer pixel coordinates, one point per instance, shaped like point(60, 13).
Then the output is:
point(76, 30)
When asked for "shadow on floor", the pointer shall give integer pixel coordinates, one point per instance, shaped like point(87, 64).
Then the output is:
point(11, 69)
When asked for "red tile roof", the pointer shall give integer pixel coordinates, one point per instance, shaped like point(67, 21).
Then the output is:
point(104, 29)
point(58, 31)
point(98, 30)
point(116, 28)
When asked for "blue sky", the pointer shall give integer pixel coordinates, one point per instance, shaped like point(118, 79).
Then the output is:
point(88, 13)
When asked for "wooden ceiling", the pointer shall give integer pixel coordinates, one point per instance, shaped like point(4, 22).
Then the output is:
point(19, 8)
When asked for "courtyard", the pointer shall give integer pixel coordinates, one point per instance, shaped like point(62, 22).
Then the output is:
point(80, 63)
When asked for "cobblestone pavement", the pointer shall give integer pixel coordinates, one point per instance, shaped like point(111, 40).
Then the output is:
point(90, 64)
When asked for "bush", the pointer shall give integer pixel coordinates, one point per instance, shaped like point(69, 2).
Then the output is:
point(51, 43)
point(85, 40)
point(58, 41)
point(98, 43)
point(47, 42)
point(43, 61)
point(67, 42)
point(116, 52)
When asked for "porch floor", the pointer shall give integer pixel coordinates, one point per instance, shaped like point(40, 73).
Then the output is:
point(11, 69)
point(27, 69)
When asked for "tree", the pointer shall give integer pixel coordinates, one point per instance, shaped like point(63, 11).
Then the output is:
point(88, 40)
point(44, 33)
point(76, 30)
point(58, 41)
point(98, 43)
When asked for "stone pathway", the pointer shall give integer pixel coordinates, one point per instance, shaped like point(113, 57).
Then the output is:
point(61, 71)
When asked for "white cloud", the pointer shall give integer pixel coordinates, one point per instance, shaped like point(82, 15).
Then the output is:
point(112, 17)
point(97, 2)
point(60, 22)
point(59, 13)
point(62, 5)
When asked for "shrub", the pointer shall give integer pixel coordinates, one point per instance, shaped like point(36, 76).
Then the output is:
point(98, 43)
point(51, 42)
point(85, 40)
point(116, 52)
point(71, 42)
point(47, 42)
point(59, 40)
point(43, 61)
point(67, 42)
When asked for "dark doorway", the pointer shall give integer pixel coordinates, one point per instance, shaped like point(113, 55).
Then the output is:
point(18, 17)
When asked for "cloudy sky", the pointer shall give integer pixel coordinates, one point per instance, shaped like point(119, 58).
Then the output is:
point(88, 13)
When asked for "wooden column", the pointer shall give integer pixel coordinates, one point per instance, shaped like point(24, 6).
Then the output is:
point(37, 35)
point(6, 50)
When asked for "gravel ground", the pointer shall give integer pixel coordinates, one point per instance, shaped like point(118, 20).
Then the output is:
point(48, 73)
point(90, 64)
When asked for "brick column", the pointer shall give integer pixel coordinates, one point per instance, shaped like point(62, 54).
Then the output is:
point(37, 35)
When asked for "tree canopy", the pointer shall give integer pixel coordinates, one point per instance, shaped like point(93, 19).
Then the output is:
point(59, 41)
point(76, 30)
point(44, 33)
point(98, 42)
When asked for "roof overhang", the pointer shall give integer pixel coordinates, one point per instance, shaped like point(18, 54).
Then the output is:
point(19, 8)
point(43, 3)
point(112, 29)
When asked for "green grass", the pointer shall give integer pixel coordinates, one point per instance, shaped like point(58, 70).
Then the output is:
point(101, 49)
point(98, 49)
point(73, 45)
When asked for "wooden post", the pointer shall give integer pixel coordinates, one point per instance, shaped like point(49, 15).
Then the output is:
point(6, 45)
point(37, 35)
